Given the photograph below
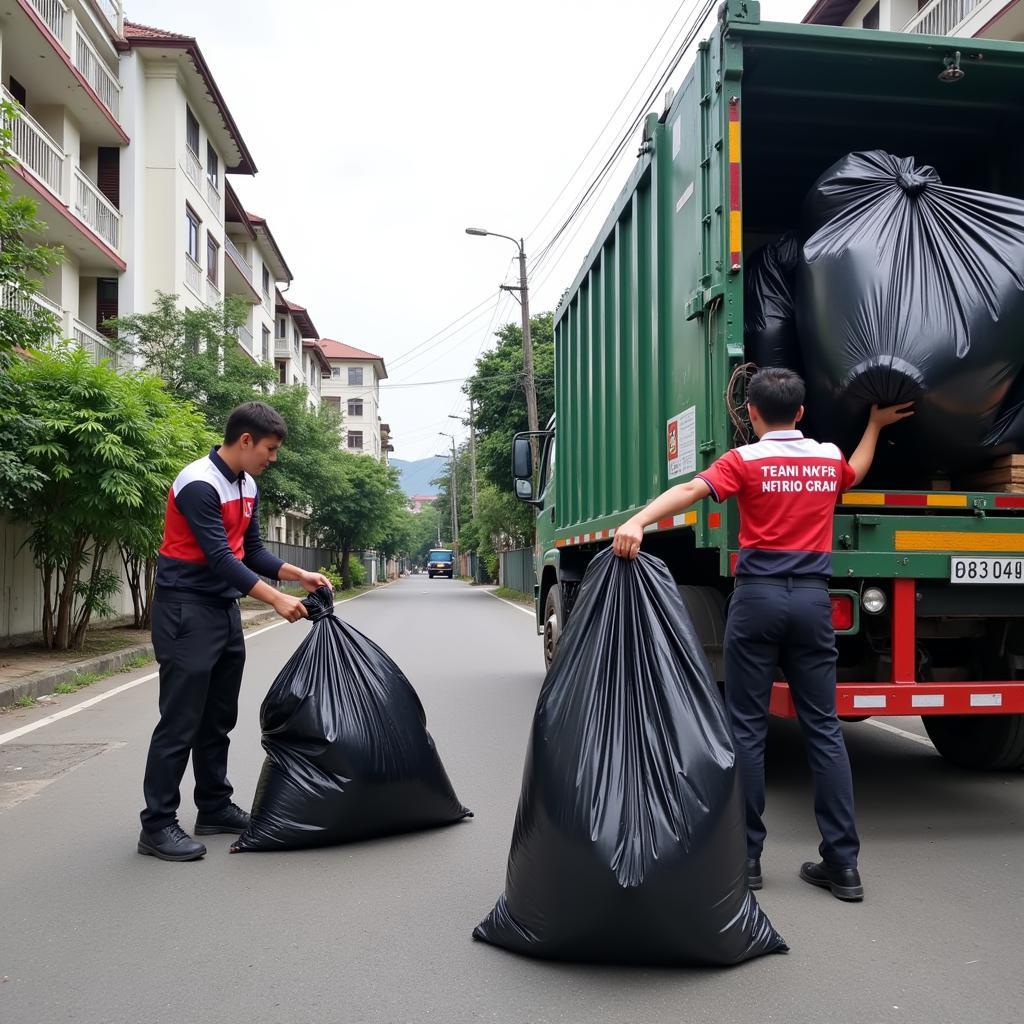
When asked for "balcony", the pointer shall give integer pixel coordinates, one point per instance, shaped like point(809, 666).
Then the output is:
point(93, 342)
point(193, 276)
point(193, 168)
point(282, 349)
point(213, 196)
point(103, 81)
point(53, 13)
point(244, 336)
point(37, 151)
point(213, 295)
point(240, 261)
point(27, 305)
point(93, 208)
point(114, 12)
point(941, 17)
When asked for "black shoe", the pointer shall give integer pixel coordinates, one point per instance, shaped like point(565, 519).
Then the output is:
point(754, 879)
point(171, 843)
point(231, 820)
point(844, 883)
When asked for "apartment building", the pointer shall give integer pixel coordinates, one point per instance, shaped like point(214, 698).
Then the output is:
point(297, 356)
point(968, 19)
point(353, 389)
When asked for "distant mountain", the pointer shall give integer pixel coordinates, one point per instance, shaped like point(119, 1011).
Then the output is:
point(415, 476)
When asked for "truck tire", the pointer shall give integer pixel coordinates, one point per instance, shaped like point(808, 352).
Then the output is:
point(554, 619)
point(707, 610)
point(978, 742)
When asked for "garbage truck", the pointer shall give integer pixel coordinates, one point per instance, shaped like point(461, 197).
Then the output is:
point(928, 586)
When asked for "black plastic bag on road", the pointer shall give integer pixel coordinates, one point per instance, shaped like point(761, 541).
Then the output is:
point(769, 310)
point(629, 844)
point(912, 290)
point(348, 752)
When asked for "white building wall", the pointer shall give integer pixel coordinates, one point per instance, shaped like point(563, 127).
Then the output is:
point(337, 387)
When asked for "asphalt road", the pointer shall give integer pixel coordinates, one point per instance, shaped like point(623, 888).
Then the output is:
point(92, 933)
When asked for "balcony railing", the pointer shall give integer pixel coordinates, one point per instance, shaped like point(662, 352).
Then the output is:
point(213, 195)
point(38, 152)
point(268, 303)
point(212, 293)
point(94, 209)
point(27, 305)
point(244, 336)
point(52, 12)
point(103, 81)
point(114, 10)
point(193, 168)
point(94, 342)
point(193, 275)
point(941, 17)
point(282, 348)
point(239, 260)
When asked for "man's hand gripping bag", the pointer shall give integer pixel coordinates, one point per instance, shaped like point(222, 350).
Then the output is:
point(629, 844)
point(348, 753)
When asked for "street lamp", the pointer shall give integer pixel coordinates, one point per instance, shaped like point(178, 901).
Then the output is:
point(472, 451)
point(524, 305)
point(455, 490)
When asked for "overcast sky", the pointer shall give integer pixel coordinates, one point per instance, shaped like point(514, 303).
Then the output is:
point(381, 131)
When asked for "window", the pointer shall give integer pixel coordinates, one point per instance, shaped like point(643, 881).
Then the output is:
point(192, 223)
point(355, 375)
point(336, 372)
point(355, 407)
point(17, 91)
point(296, 341)
point(212, 166)
point(282, 371)
point(332, 403)
point(871, 18)
point(266, 344)
point(191, 131)
point(266, 280)
point(282, 327)
point(212, 251)
point(355, 440)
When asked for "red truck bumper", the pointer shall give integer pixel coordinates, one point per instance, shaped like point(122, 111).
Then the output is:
point(904, 694)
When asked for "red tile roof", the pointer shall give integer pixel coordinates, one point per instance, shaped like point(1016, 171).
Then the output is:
point(339, 350)
point(134, 30)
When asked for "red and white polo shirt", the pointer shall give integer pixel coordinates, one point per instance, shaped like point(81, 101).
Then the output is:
point(786, 486)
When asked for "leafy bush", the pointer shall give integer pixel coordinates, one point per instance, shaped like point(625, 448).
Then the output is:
point(357, 573)
point(334, 576)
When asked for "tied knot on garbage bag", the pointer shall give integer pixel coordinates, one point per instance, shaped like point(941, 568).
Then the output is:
point(320, 604)
point(349, 756)
point(629, 843)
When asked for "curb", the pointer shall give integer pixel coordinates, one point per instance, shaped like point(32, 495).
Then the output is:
point(39, 684)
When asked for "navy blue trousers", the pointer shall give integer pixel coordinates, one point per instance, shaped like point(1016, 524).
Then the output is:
point(781, 625)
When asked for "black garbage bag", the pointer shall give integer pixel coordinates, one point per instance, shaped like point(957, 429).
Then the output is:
point(769, 311)
point(629, 844)
point(348, 752)
point(912, 290)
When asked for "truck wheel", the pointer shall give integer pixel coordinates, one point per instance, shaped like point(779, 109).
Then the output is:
point(553, 620)
point(979, 742)
point(707, 611)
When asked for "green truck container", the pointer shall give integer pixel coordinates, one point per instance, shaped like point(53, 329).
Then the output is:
point(928, 592)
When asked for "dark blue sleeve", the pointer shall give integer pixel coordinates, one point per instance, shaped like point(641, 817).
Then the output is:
point(257, 557)
point(199, 503)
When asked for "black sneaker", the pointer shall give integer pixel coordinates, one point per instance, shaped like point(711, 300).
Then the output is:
point(754, 879)
point(844, 883)
point(171, 843)
point(231, 820)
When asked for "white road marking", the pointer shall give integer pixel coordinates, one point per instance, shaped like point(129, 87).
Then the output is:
point(512, 604)
point(896, 731)
point(14, 734)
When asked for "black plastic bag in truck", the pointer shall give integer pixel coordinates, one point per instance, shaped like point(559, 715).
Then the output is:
point(348, 752)
point(912, 290)
point(769, 313)
point(629, 844)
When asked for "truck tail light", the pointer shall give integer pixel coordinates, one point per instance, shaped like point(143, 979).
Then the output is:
point(842, 612)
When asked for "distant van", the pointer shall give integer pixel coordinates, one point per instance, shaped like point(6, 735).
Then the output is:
point(439, 563)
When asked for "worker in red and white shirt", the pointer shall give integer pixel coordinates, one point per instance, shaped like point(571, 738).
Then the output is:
point(780, 613)
point(211, 555)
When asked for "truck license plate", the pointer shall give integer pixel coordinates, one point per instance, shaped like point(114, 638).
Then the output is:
point(986, 570)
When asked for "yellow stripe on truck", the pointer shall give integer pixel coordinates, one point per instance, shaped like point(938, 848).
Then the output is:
point(952, 540)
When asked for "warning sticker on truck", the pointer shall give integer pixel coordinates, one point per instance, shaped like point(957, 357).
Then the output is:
point(681, 444)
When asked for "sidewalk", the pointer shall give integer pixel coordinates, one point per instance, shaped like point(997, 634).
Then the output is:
point(30, 671)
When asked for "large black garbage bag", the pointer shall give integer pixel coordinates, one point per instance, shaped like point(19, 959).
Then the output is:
point(629, 843)
point(769, 313)
point(909, 289)
point(348, 752)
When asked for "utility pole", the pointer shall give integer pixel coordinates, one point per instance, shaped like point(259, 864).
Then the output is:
point(529, 385)
point(472, 452)
point(454, 489)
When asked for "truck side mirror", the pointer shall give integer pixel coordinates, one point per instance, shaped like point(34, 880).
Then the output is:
point(524, 490)
point(522, 462)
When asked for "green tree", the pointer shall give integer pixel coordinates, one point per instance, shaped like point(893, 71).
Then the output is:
point(425, 530)
point(100, 457)
point(357, 507)
point(401, 534)
point(197, 354)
